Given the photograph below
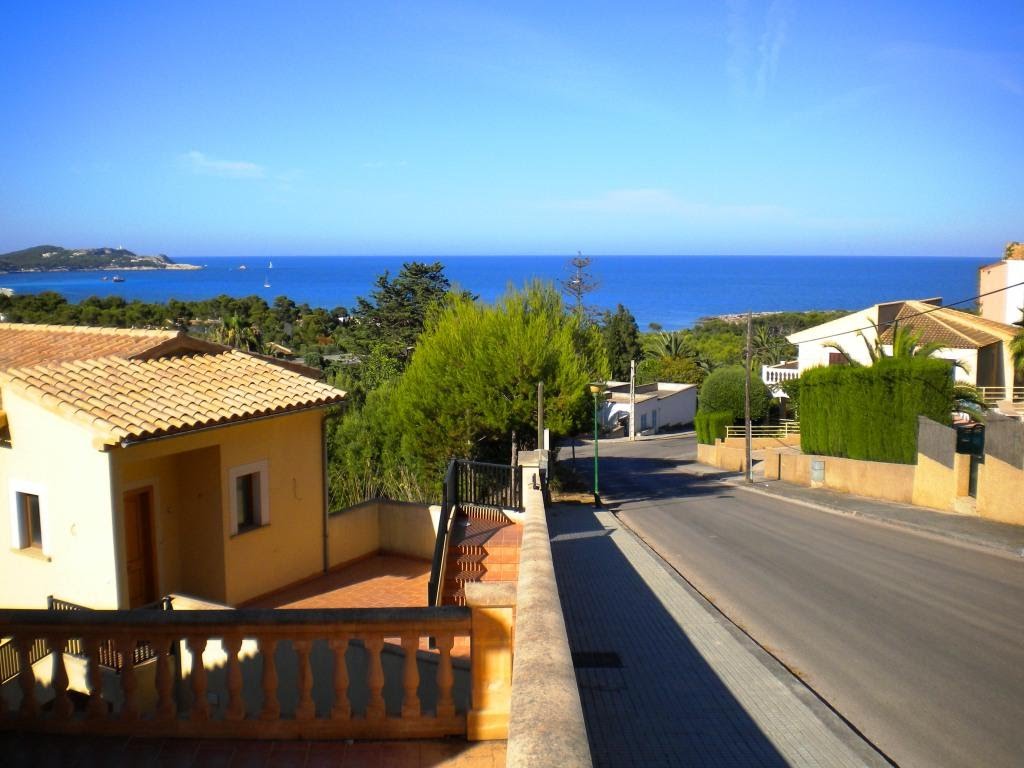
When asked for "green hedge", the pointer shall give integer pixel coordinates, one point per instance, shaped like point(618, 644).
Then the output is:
point(723, 389)
point(711, 425)
point(871, 412)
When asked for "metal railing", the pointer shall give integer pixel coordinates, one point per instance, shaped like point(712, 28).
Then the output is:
point(783, 429)
point(10, 663)
point(994, 395)
point(109, 656)
point(470, 483)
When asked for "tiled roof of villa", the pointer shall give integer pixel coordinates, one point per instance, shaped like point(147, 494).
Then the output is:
point(950, 327)
point(130, 400)
point(26, 344)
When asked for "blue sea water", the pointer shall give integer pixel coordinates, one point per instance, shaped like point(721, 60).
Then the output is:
point(671, 290)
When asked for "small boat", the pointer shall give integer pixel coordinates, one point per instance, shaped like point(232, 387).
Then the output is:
point(266, 281)
point(117, 279)
point(104, 278)
point(242, 267)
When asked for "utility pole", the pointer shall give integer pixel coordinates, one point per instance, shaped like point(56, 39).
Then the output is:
point(746, 392)
point(632, 399)
point(540, 415)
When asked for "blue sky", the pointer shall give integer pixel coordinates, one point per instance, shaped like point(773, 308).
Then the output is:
point(505, 128)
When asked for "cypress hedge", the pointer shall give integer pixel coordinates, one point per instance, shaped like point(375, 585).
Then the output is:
point(711, 424)
point(871, 412)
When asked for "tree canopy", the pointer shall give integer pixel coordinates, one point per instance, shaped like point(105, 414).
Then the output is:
point(470, 384)
point(723, 390)
point(621, 341)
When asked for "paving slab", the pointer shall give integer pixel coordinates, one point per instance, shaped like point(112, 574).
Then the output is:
point(664, 678)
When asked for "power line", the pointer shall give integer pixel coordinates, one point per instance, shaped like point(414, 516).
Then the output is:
point(915, 314)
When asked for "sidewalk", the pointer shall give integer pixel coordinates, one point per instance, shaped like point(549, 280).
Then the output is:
point(663, 678)
point(963, 528)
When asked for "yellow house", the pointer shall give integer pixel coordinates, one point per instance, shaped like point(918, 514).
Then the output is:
point(136, 463)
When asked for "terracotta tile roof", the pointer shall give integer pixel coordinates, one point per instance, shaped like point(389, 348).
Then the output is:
point(951, 328)
point(24, 344)
point(127, 400)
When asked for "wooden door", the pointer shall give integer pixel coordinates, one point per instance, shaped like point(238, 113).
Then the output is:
point(140, 548)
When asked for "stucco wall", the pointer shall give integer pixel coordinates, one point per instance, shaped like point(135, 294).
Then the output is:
point(55, 458)
point(874, 479)
point(408, 529)
point(254, 562)
point(759, 443)
point(938, 486)
point(1003, 307)
point(1000, 491)
point(353, 533)
point(381, 525)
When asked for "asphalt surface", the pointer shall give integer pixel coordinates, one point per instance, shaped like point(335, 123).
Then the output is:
point(917, 641)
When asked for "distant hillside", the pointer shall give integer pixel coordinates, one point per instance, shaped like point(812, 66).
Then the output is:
point(53, 258)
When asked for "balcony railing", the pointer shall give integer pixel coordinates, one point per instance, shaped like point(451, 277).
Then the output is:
point(289, 655)
point(778, 431)
point(470, 483)
point(775, 375)
point(994, 395)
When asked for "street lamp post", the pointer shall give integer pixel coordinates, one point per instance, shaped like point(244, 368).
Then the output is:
point(595, 390)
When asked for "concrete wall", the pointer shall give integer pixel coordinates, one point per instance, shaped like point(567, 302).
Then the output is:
point(54, 458)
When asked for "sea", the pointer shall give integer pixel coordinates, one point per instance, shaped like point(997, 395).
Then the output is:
point(671, 291)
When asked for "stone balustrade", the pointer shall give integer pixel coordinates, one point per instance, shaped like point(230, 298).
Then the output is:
point(344, 673)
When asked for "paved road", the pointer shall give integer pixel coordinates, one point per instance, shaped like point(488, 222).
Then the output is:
point(916, 641)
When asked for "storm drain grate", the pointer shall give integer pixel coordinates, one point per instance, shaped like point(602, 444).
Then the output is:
point(596, 660)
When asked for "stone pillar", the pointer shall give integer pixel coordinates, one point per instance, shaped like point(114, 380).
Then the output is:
point(491, 660)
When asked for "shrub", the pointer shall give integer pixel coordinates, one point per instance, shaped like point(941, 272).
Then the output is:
point(871, 412)
point(711, 425)
point(723, 391)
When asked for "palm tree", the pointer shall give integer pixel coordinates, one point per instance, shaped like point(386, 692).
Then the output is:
point(906, 342)
point(1017, 348)
point(768, 345)
point(666, 344)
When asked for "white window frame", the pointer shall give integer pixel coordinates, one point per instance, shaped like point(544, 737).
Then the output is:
point(261, 468)
point(34, 489)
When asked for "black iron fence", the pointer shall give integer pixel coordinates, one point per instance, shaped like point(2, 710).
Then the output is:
point(475, 483)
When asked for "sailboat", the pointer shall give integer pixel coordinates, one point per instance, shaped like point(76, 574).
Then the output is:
point(270, 265)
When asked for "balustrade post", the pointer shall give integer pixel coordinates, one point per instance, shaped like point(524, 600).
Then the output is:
point(200, 704)
point(96, 707)
point(62, 706)
point(236, 704)
point(410, 676)
point(445, 677)
point(126, 647)
point(375, 678)
point(342, 708)
point(490, 660)
point(165, 704)
point(305, 709)
point(26, 677)
point(271, 706)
